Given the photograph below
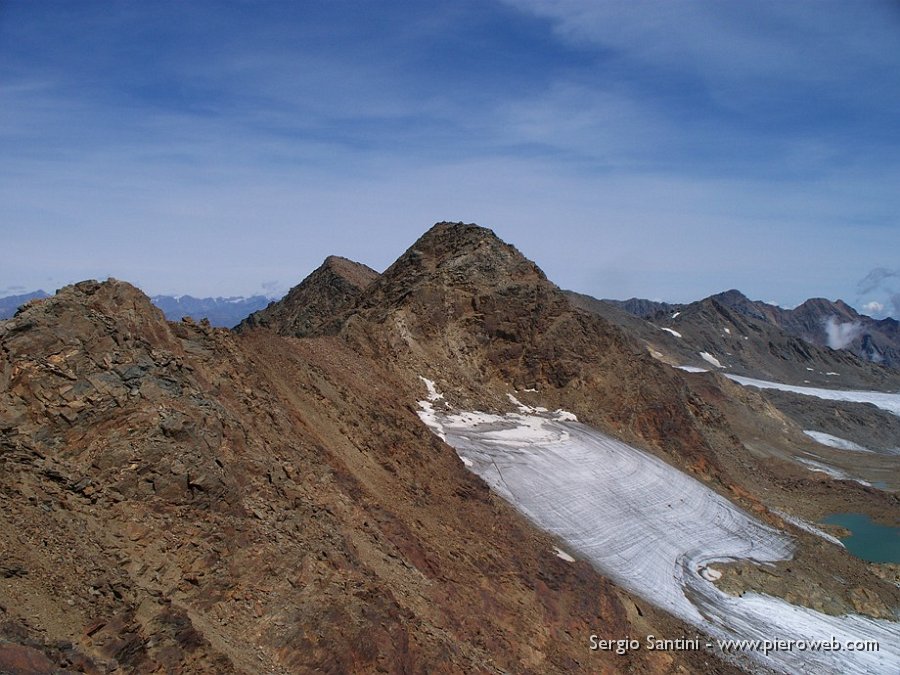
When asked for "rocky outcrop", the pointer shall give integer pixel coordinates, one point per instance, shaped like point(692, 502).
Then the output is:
point(11, 303)
point(310, 307)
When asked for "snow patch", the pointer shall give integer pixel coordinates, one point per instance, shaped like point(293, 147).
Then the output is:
point(727, 330)
point(563, 555)
point(428, 415)
point(516, 402)
point(808, 527)
point(433, 393)
point(673, 332)
point(710, 574)
point(709, 358)
point(834, 441)
point(675, 315)
point(830, 471)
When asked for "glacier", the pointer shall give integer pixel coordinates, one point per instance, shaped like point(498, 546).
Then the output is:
point(652, 529)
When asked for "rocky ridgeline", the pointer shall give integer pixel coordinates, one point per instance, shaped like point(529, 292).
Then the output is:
point(815, 322)
point(178, 498)
point(310, 307)
point(747, 339)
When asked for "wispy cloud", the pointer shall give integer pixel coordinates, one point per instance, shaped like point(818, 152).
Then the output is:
point(884, 283)
point(840, 335)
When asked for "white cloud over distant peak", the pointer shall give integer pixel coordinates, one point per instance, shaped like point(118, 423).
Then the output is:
point(873, 307)
point(841, 334)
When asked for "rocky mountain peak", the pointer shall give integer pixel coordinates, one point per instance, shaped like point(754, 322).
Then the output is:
point(354, 273)
point(740, 303)
point(89, 313)
point(464, 254)
point(312, 306)
point(823, 308)
point(731, 298)
point(454, 264)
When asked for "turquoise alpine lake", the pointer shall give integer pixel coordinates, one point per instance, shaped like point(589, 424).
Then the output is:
point(868, 540)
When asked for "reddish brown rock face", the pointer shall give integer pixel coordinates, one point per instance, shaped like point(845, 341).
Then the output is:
point(21, 660)
point(179, 498)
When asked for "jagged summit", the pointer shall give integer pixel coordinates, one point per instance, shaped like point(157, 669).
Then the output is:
point(312, 305)
point(89, 311)
point(451, 265)
point(356, 274)
point(732, 298)
point(465, 247)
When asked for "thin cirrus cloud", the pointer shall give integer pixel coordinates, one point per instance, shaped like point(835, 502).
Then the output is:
point(673, 149)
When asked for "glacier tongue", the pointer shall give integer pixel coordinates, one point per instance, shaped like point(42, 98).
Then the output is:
point(653, 530)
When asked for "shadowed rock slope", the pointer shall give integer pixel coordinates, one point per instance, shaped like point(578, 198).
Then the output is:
point(817, 321)
point(746, 340)
point(308, 307)
point(178, 498)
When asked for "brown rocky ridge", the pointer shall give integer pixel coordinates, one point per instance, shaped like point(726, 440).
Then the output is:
point(470, 312)
point(309, 306)
point(178, 498)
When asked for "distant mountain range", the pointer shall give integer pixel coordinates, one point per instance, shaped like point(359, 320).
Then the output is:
point(223, 312)
point(818, 321)
point(11, 303)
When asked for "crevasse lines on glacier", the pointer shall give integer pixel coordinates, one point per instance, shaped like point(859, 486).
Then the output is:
point(653, 530)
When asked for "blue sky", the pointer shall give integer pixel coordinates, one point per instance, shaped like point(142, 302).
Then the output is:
point(660, 149)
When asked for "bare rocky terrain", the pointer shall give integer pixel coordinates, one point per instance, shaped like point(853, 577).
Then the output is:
point(181, 498)
point(743, 342)
point(817, 321)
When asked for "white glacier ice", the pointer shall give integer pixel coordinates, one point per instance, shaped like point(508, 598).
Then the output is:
point(834, 441)
point(884, 400)
point(655, 531)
